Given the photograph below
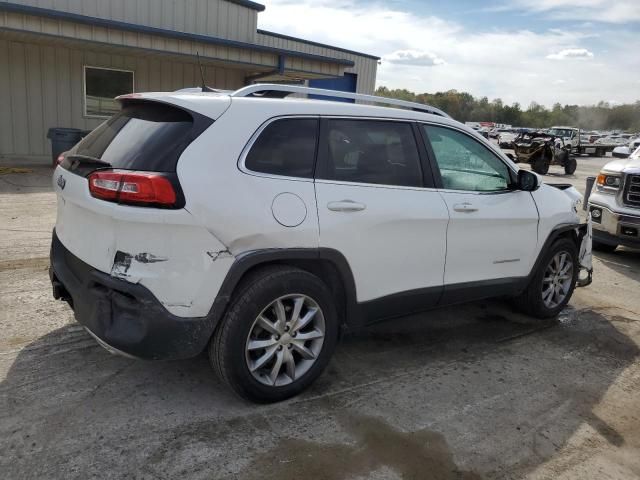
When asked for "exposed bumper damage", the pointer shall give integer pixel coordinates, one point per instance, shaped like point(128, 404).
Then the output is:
point(585, 234)
point(125, 318)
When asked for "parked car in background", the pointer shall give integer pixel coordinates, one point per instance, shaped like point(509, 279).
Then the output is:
point(191, 222)
point(614, 203)
point(506, 136)
point(624, 151)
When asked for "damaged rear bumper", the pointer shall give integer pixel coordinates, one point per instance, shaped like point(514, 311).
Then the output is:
point(125, 318)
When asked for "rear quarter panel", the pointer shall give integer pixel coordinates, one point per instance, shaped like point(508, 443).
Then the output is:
point(167, 251)
point(236, 207)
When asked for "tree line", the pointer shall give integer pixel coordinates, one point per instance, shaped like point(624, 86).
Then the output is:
point(464, 107)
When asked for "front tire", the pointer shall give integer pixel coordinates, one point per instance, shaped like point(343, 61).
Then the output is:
point(570, 165)
point(540, 165)
point(277, 336)
point(553, 283)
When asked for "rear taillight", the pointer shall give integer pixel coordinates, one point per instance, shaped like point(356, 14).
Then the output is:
point(133, 188)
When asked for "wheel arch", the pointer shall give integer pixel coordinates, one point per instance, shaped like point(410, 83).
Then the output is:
point(569, 231)
point(327, 264)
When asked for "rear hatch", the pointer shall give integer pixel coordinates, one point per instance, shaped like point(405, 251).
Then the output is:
point(120, 202)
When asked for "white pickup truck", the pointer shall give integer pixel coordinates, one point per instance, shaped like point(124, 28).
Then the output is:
point(614, 204)
point(571, 136)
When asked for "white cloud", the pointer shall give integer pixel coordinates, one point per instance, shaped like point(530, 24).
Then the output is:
point(610, 11)
point(499, 63)
point(417, 58)
point(580, 53)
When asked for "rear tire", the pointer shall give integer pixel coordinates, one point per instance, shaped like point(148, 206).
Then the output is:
point(603, 247)
point(570, 165)
point(253, 329)
point(553, 283)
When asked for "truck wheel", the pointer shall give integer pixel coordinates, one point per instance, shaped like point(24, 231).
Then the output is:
point(603, 247)
point(570, 165)
point(553, 283)
point(540, 166)
point(277, 335)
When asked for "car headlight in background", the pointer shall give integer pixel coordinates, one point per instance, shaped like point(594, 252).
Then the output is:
point(596, 214)
point(608, 182)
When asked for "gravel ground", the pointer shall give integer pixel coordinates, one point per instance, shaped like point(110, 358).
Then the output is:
point(461, 393)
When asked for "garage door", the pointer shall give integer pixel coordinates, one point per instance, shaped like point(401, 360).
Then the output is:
point(346, 83)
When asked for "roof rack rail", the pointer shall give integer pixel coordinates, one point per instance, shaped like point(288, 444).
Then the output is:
point(269, 90)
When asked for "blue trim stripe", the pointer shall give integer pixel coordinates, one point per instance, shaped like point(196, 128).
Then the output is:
point(316, 44)
point(131, 27)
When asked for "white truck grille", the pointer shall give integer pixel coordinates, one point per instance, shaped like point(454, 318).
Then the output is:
point(632, 191)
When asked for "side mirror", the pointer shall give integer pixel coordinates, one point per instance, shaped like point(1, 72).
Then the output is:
point(621, 152)
point(527, 181)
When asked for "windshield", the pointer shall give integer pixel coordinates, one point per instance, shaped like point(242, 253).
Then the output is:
point(562, 132)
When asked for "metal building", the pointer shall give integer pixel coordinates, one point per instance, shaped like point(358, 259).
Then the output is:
point(63, 61)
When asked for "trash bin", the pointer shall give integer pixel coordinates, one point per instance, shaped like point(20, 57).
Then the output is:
point(63, 139)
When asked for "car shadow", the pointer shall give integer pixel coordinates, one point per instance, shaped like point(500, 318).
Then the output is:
point(474, 391)
point(625, 261)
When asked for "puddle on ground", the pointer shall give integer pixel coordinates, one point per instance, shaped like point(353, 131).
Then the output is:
point(412, 455)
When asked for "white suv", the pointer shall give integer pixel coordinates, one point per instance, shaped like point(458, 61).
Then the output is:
point(258, 227)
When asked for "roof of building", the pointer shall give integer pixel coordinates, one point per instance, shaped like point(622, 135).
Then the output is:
point(247, 3)
point(316, 44)
point(131, 27)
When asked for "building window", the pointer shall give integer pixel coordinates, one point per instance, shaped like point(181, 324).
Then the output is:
point(101, 86)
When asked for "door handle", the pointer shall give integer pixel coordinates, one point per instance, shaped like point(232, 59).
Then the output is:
point(465, 207)
point(346, 206)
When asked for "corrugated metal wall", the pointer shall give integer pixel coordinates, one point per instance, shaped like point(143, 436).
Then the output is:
point(42, 59)
point(41, 87)
point(69, 30)
point(365, 67)
point(217, 18)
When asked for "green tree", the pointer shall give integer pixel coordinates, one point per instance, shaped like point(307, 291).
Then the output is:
point(465, 107)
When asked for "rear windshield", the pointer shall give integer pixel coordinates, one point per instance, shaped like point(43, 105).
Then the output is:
point(143, 136)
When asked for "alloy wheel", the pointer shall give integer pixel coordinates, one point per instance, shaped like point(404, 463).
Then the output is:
point(285, 340)
point(557, 279)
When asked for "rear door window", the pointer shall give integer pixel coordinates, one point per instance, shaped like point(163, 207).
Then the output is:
point(372, 151)
point(285, 147)
point(142, 136)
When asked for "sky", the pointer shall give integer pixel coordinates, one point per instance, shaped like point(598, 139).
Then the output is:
point(547, 51)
